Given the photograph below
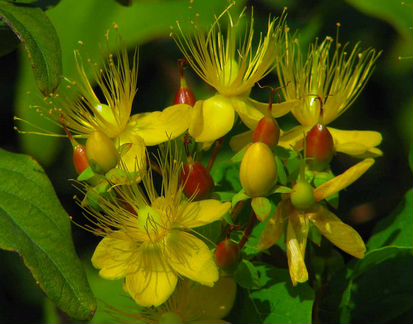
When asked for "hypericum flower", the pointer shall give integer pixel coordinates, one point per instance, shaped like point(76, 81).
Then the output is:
point(330, 76)
point(228, 62)
point(190, 303)
point(298, 221)
point(148, 238)
point(116, 78)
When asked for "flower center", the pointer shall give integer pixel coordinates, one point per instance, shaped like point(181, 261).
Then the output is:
point(151, 221)
point(229, 73)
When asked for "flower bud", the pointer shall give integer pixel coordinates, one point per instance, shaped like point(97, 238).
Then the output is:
point(319, 147)
point(101, 152)
point(267, 131)
point(184, 94)
point(197, 180)
point(258, 172)
point(302, 196)
point(227, 254)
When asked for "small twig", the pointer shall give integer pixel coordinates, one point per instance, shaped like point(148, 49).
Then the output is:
point(248, 230)
point(217, 149)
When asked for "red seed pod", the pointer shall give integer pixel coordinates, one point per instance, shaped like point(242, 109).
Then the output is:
point(184, 94)
point(227, 254)
point(319, 147)
point(80, 160)
point(267, 131)
point(197, 180)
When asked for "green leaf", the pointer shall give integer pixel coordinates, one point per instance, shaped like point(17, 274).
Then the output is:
point(282, 175)
point(240, 196)
point(396, 13)
point(249, 276)
point(280, 302)
point(34, 224)
point(262, 207)
point(389, 270)
point(397, 228)
point(237, 158)
point(39, 38)
point(86, 175)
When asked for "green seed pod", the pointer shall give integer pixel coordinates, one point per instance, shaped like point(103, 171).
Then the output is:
point(258, 172)
point(302, 196)
point(101, 152)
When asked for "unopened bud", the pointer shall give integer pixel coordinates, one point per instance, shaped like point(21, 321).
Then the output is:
point(101, 152)
point(319, 147)
point(197, 180)
point(302, 196)
point(258, 172)
point(267, 131)
point(80, 160)
point(227, 254)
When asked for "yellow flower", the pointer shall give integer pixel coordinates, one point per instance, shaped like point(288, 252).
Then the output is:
point(148, 238)
point(298, 222)
point(228, 62)
point(336, 75)
point(116, 78)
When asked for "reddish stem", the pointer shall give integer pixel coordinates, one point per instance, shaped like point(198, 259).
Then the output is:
point(217, 149)
point(248, 230)
point(187, 142)
point(237, 210)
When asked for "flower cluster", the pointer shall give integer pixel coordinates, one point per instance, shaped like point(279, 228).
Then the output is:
point(151, 212)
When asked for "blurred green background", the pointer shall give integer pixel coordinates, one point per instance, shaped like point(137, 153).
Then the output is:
point(386, 104)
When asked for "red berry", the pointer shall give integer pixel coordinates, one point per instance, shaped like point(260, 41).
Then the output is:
point(227, 254)
point(197, 180)
point(185, 96)
point(80, 159)
point(319, 147)
point(267, 131)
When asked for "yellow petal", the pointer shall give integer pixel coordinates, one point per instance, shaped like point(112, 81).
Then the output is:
point(342, 181)
point(275, 227)
point(297, 233)
point(114, 255)
point(202, 212)
point(211, 119)
point(356, 143)
point(160, 126)
point(341, 235)
point(278, 109)
point(191, 258)
point(151, 288)
point(238, 142)
point(249, 115)
point(294, 138)
point(368, 138)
